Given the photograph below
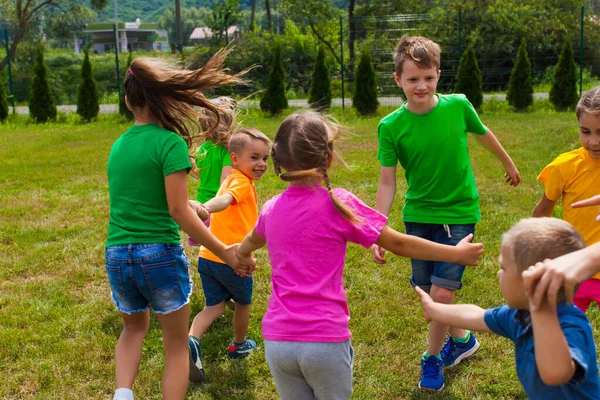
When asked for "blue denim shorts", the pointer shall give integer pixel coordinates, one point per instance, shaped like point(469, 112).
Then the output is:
point(220, 283)
point(143, 275)
point(442, 274)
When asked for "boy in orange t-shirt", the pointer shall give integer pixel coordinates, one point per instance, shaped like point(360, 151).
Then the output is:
point(574, 176)
point(233, 214)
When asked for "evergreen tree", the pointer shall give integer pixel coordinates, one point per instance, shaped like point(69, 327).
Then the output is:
point(319, 95)
point(520, 85)
point(563, 94)
point(41, 101)
point(3, 103)
point(123, 110)
point(273, 99)
point(468, 78)
point(87, 101)
point(364, 98)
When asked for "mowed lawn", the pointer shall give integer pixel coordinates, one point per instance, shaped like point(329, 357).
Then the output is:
point(58, 326)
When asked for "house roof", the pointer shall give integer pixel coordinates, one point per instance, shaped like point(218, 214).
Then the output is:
point(204, 32)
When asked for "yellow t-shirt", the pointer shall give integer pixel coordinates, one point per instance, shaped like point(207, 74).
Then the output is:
point(575, 176)
point(233, 223)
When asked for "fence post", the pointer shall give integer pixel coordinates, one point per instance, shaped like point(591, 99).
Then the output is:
point(581, 54)
point(10, 81)
point(115, 31)
point(459, 35)
point(342, 57)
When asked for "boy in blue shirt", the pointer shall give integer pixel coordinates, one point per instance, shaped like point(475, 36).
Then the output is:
point(554, 346)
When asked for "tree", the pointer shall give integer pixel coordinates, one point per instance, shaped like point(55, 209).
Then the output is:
point(190, 19)
point(273, 99)
point(87, 101)
point(123, 110)
point(21, 17)
point(563, 94)
point(364, 98)
point(41, 101)
point(252, 15)
point(468, 78)
point(269, 19)
point(3, 103)
point(520, 85)
point(319, 95)
point(225, 13)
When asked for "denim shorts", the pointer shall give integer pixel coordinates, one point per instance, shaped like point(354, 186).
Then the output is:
point(143, 275)
point(220, 283)
point(446, 275)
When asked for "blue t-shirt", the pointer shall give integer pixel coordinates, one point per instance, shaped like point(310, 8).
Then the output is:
point(516, 325)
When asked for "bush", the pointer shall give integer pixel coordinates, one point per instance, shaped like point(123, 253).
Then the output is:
point(520, 85)
point(87, 101)
point(364, 98)
point(563, 93)
point(123, 110)
point(273, 99)
point(468, 78)
point(319, 96)
point(41, 101)
point(3, 103)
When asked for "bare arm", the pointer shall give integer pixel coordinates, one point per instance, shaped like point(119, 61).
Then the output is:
point(218, 203)
point(252, 241)
point(386, 191)
point(491, 144)
point(544, 207)
point(552, 355)
point(225, 172)
point(465, 316)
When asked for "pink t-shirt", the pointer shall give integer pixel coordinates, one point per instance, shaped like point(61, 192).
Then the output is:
point(307, 238)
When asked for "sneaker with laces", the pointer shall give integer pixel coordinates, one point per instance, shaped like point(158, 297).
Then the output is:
point(455, 351)
point(431, 374)
point(241, 350)
point(196, 370)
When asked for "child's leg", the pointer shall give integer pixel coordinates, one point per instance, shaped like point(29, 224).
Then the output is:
point(175, 343)
point(129, 347)
point(587, 292)
point(241, 317)
point(437, 331)
point(307, 370)
point(204, 319)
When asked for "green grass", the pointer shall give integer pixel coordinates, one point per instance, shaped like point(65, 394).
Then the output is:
point(58, 326)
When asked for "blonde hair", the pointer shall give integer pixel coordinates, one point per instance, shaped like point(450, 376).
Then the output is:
point(589, 103)
point(303, 145)
point(227, 121)
point(241, 138)
point(424, 52)
point(172, 94)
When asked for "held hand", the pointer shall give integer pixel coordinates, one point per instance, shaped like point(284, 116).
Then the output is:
point(592, 201)
point(469, 252)
point(545, 279)
point(203, 213)
point(242, 267)
point(513, 178)
point(246, 260)
point(378, 254)
point(426, 302)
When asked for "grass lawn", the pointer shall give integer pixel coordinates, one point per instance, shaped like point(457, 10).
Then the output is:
point(58, 326)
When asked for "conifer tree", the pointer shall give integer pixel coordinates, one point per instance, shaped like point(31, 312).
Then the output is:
point(3, 103)
point(320, 85)
point(123, 110)
point(563, 94)
point(273, 99)
point(468, 78)
point(87, 101)
point(520, 85)
point(364, 98)
point(41, 100)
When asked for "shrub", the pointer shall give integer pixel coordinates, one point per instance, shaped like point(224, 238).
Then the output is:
point(320, 86)
point(468, 78)
point(364, 98)
point(3, 103)
point(563, 93)
point(273, 99)
point(41, 101)
point(87, 101)
point(520, 85)
point(123, 110)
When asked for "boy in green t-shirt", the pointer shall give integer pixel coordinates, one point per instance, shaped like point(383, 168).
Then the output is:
point(428, 136)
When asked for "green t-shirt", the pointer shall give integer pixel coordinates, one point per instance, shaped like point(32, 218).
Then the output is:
point(210, 159)
point(432, 149)
point(137, 165)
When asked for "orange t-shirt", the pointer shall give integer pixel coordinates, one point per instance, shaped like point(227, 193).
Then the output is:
point(233, 223)
point(575, 176)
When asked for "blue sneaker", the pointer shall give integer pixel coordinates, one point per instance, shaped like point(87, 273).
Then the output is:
point(241, 350)
point(431, 374)
point(454, 351)
point(196, 370)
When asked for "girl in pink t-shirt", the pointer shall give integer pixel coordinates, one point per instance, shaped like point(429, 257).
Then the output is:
point(307, 229)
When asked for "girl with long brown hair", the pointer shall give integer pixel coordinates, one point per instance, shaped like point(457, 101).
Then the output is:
point(147, 180)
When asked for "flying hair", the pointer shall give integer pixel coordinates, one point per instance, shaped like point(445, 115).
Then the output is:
point(302, 146)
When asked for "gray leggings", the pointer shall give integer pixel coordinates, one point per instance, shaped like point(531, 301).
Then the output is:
point(309, 370)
